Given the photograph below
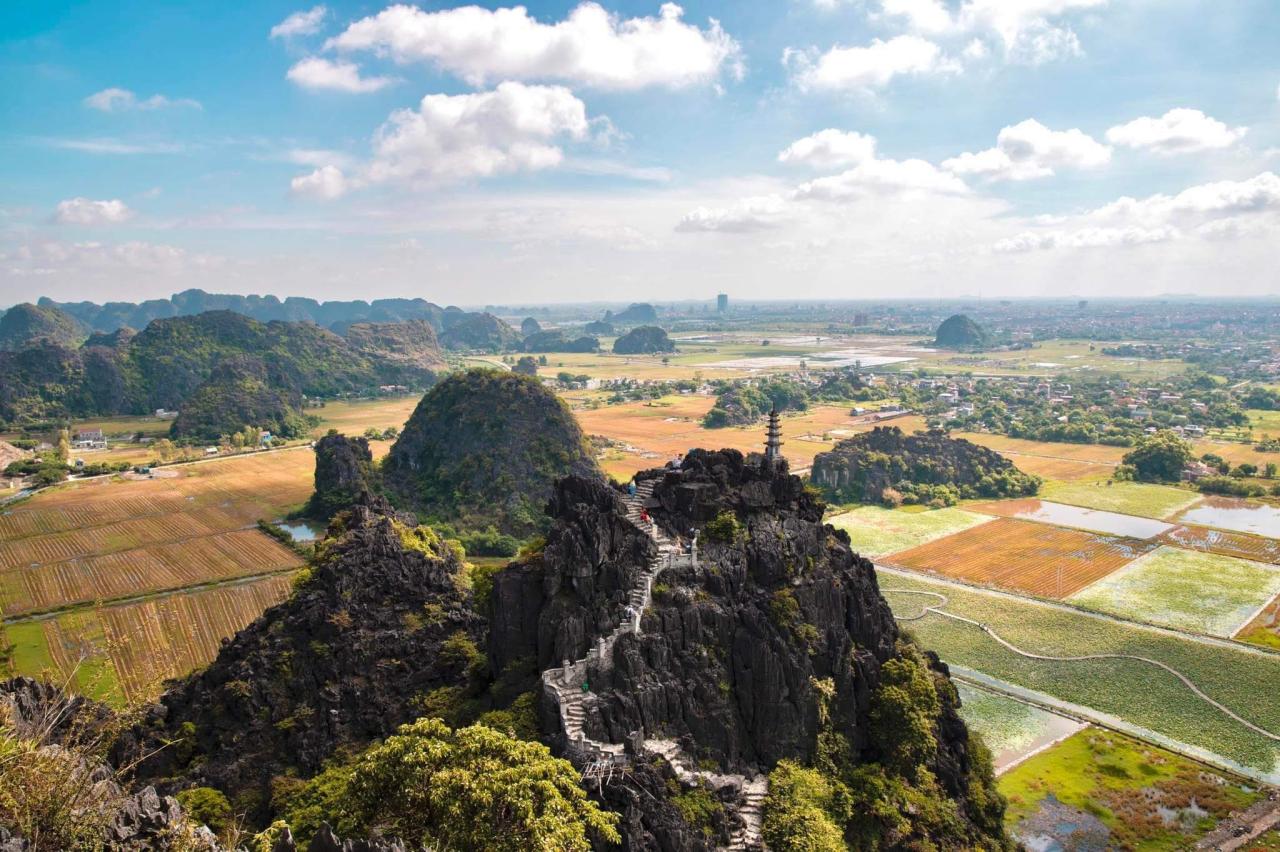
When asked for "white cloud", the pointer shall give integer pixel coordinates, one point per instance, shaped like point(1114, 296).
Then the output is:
point(865, 68)
point(318, 157)
point(1178, 131)
point(86, 211)
point(448, 138)
point(317, 73)
point(123, 100)
point(1026, 28)
point(1259, 194)
point(1085, 238)
point(300, 23)
point(590, 47)
point(758, 213)
point(830, 148)
point(883, 177)
point(325, 183)
point(116, 146)
point(1031, 150)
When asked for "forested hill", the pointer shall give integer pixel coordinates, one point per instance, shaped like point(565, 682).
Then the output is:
point(336, 315)
point(164, 365)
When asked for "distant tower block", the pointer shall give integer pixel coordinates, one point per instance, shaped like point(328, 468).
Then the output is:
point(773, 440)
point(722, 302)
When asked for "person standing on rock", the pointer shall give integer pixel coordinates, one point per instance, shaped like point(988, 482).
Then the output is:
point(631, 487)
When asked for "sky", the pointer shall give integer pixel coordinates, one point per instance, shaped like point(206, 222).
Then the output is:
point(628, 151)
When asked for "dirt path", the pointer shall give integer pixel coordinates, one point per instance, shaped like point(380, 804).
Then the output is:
point(1239, 829)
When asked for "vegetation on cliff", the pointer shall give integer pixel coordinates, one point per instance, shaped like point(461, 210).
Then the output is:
point(480, 332)
point(345, 475)
point(485, 447)
point(238, 394)
point(960, 332)
point(887, 466)
point(25, 324)
point(557, 341)
point(640, 313)
point(643, 340)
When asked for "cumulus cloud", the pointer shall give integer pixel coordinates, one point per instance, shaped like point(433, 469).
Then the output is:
point(54, 257)
point(317, 73)
point(123, 100)
point(86, 211)
point(759, 213)
point(300, 23)
point(325, 183)
point(883, 177)
point(1178, 131)
point(1259, 194)
point(865, 68)
point(448, 138)
point(830, 148)
point(1031, 150)
point(590, 47)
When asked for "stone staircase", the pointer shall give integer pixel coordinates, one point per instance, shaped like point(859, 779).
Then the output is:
point(567, 685)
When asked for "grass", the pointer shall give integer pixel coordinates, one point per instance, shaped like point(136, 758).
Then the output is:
point(1127, 498)
point(1128, 689)
point(1185, 589)
point(876, 531)
point(1147, 797)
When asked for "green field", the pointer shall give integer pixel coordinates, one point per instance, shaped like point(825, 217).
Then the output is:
point(1131, 690)
point(1145, 797)
point(875, 531)
point(1185, 589)
point(1127, 498)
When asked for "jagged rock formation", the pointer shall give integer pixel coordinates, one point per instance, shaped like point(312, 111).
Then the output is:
point(640, 313)
point(410, 345)
point(644, 340)
point(923, 467)
point(598, 327)
point(557, 341)
point(960, 332)
point(25, 324)
point(484, 447)
point(483, 332)
point(765, 639)
point(530, 326)
point(383, 619)
point(344, 477)
point(240, 392)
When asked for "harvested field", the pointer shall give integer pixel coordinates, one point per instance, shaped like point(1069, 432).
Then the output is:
point(161, 567)
point(875, 531)
point(1239, 545)
point(1128, 498)
point(352, 417)
point(1063, 470)
point(126, 650)
point(1186, 590)
point(653, 432)
point(1024, 556)
point(1097, 453)
point(109, 538)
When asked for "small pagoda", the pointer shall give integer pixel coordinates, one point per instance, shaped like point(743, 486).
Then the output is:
point(773, 440)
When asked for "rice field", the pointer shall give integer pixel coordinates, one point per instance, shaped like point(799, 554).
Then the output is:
point(1239, 545)
point(1099, 454)
point(1264, 629)
point(1136, 692)
point(875, 531)
point(1185, 590)
point(1024, 556)
point(1099, 789)
point(352, 417)
point(1011, 729)
point(106, 539)
point(124, 651)
point(1127, 498)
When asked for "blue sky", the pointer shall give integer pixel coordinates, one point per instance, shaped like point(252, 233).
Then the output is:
point(794, 148)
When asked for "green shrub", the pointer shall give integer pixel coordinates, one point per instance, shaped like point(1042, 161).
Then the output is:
point(724, 527)
point(206, 805)
point(699, 809)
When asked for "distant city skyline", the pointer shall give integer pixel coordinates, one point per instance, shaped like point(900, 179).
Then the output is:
point(795, 150)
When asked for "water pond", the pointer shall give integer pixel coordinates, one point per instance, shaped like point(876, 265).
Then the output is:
point(1231, 514)
point(301, 530)
point(1093, 520)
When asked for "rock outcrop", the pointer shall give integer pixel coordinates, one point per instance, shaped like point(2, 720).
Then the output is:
point(410, 346)
point(927, 467)
point(383, 619)
point(644, 340)
point(960, 332)
point(485, 447)
point(26, 324)
point(480, 332)
point(345, 476)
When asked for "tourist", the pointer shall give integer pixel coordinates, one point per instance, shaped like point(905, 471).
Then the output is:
point(631, 487)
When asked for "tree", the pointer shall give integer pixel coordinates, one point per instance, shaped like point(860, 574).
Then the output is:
point(1159, 458)
point(473, 788)
point(164, 449)
point(64, 445)
point(526, 366)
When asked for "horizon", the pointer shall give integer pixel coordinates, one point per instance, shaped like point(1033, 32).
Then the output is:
point(637, 152)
